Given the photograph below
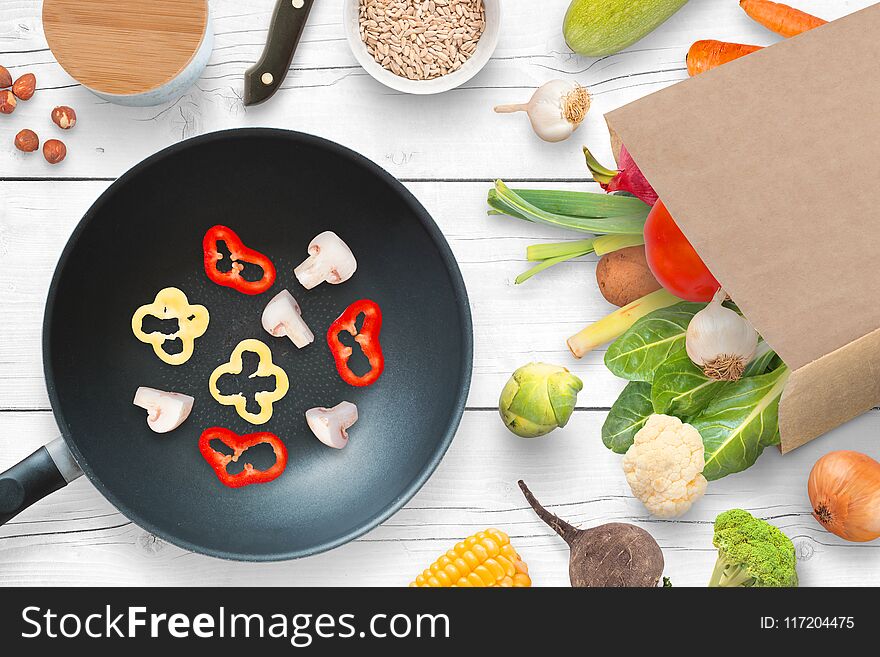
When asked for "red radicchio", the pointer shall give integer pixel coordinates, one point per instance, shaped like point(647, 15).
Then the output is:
point(627, 179)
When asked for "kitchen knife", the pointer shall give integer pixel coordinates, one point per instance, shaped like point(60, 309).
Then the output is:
point(262, 80)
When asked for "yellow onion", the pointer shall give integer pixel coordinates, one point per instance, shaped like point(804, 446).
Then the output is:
point(844, 490)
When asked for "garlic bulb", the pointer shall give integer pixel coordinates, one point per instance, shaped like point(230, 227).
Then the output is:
point(720, 341)
point(556, 109)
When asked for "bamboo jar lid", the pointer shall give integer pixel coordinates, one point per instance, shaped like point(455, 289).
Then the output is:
point(125, 47)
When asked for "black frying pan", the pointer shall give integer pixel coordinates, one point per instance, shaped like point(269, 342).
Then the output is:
point(277, 189)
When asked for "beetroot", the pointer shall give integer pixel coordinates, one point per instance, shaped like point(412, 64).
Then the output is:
point(614, 554)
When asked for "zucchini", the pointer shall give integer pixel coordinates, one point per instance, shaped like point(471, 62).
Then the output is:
point(603, 27)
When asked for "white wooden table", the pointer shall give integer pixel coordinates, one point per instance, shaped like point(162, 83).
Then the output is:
point(447, 150)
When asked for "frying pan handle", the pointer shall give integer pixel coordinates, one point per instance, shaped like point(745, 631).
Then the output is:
point(262, 80)
point(43, 472)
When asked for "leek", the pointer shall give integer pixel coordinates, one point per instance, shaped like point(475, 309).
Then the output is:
point(499, 207)
point(553, 254)
point(581, 204)
point(574, 249)
point(510, 202)
point(549, 262)
point(614, 325)
point(609, 243)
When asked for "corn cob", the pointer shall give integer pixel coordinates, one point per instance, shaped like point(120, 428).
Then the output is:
point(486, 559)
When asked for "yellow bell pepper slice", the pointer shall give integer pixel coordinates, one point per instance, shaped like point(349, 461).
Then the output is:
point(265, 367)
point(192, 322)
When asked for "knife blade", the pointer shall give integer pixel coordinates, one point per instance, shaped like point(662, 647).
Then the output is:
point(264, 78)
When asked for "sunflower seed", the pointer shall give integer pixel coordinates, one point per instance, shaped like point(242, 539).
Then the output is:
point(421, 39)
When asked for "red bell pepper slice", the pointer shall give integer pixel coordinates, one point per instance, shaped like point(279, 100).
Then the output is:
point(239, 254)
point(367, 338)
point(239, 445)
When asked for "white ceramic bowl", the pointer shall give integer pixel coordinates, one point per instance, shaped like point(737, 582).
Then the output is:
point(485, 47)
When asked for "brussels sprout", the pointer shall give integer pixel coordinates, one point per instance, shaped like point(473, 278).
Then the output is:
point(538, 398)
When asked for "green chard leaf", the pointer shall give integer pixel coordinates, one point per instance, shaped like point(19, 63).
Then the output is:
point(627, 416)
point(762, 361)
point(775, 364)
point(740, 422)
point(681, 389)
point(649, 342)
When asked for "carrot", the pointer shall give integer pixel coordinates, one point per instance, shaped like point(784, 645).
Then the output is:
point(780, 18)
point(709, 53)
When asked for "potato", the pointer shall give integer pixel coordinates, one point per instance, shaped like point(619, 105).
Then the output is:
point(623, 276)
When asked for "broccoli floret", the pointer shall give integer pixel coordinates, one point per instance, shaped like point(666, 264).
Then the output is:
point(751, 552)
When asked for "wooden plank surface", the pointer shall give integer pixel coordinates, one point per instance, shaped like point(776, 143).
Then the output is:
point(454, 136)
point(78, 538)
point(447, 149)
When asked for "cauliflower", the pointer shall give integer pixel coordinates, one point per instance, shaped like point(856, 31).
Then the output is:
point(664, 466)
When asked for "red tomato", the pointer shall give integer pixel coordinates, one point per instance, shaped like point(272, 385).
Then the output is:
point(673, 261)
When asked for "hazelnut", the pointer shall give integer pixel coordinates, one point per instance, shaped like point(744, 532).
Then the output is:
point(54, 151)
point(7, 102)
point(27, 141)
point(5, 78)
point(64, 117)
point(25, 86)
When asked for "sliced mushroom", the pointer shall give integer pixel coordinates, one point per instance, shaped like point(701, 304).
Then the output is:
point(283, 316)
point(330, 424)
point(330, 260)
point(165, 410)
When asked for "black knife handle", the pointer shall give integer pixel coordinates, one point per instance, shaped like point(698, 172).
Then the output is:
point(48, 469)
point(262, 80)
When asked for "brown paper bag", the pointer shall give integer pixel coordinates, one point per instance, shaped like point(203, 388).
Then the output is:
point(771, 167)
